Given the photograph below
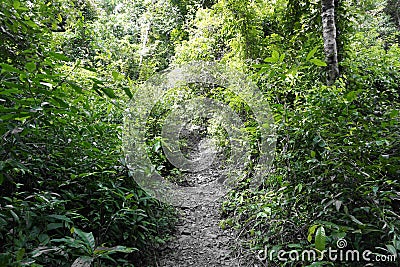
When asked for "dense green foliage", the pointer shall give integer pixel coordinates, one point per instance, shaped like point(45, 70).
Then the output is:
point(336, 166)
point(64, 191)
point(69, 68)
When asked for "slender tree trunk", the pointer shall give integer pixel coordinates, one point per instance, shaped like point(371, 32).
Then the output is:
point(145, 38)
point(329, 36)
point(146, 28)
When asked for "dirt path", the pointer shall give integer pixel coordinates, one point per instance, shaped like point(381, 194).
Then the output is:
point(199, 241)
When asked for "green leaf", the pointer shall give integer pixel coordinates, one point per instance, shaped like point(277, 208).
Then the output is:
point(294, 245)
point(311, 231)
point(354, 219)
point(31, 23)
point(320, 238)
point(87, 238)
point(351, 96)
point(129, 196)
point(20, 254)
point(394, 113)
point(108, 91)
point(60, 102)
point(43, 238)
point(300, 187)
point(96, 81)
point(40, 250)
point(391, 249)
point(271, 60)
point(59, 56)
point(16, 4)
point(96, 88)
point(60, 217)
point(274, 57)
point(259, 66)
point(75, 86)
point(117, 76)
point(106, 250)
point(52, 226)
point(30, 66)
point(318, 62)
point(275, 54)
point(9, 92)
point(127, 92)
point(15, 216)
point(311, 53)
point(8, 68)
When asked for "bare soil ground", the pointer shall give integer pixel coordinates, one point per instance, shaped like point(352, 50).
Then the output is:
point(199, 241)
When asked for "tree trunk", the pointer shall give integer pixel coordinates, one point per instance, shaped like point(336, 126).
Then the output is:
point(329, 36)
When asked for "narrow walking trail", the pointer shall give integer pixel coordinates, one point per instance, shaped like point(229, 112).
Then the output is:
point(199, 241)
